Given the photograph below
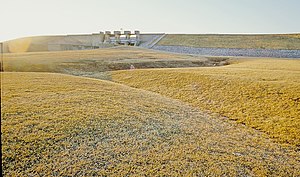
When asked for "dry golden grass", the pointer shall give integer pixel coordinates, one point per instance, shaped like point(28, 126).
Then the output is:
point(96, 63)
point(59, 125)
point(260, 93)
point(92, 63)
point(270, 41)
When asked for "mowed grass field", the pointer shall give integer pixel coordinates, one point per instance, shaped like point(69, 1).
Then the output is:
point(260, 93)
point(262, 41)
point(60, 125)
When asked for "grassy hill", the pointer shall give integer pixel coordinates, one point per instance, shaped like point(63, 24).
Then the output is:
point(59, 125)
point(235, 120)
point(263, 41)
point(228, 91)
point(263, 94)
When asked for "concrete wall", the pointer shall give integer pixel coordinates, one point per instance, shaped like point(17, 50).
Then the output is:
point(54, 47)
point(146, 40)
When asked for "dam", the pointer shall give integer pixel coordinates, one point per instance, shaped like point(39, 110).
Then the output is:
point(102, 39)
point(264, 45)
point(95, 40)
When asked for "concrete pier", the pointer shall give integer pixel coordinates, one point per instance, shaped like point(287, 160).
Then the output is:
point(127, 33)
point(101, 37)
point(117, 36)
point(107, 37)
point(138, 38)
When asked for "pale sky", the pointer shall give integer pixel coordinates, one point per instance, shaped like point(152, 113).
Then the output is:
point(21, 18)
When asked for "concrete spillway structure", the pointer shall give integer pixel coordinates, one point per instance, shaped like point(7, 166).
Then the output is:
point(119, 38)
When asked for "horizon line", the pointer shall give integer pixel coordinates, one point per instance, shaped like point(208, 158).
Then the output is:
point(212, 33)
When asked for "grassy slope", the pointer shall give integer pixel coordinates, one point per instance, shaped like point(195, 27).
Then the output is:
point(92, 63)
point(274, 41)
point(264, 94)
point(29, 44)
point(109, 129)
